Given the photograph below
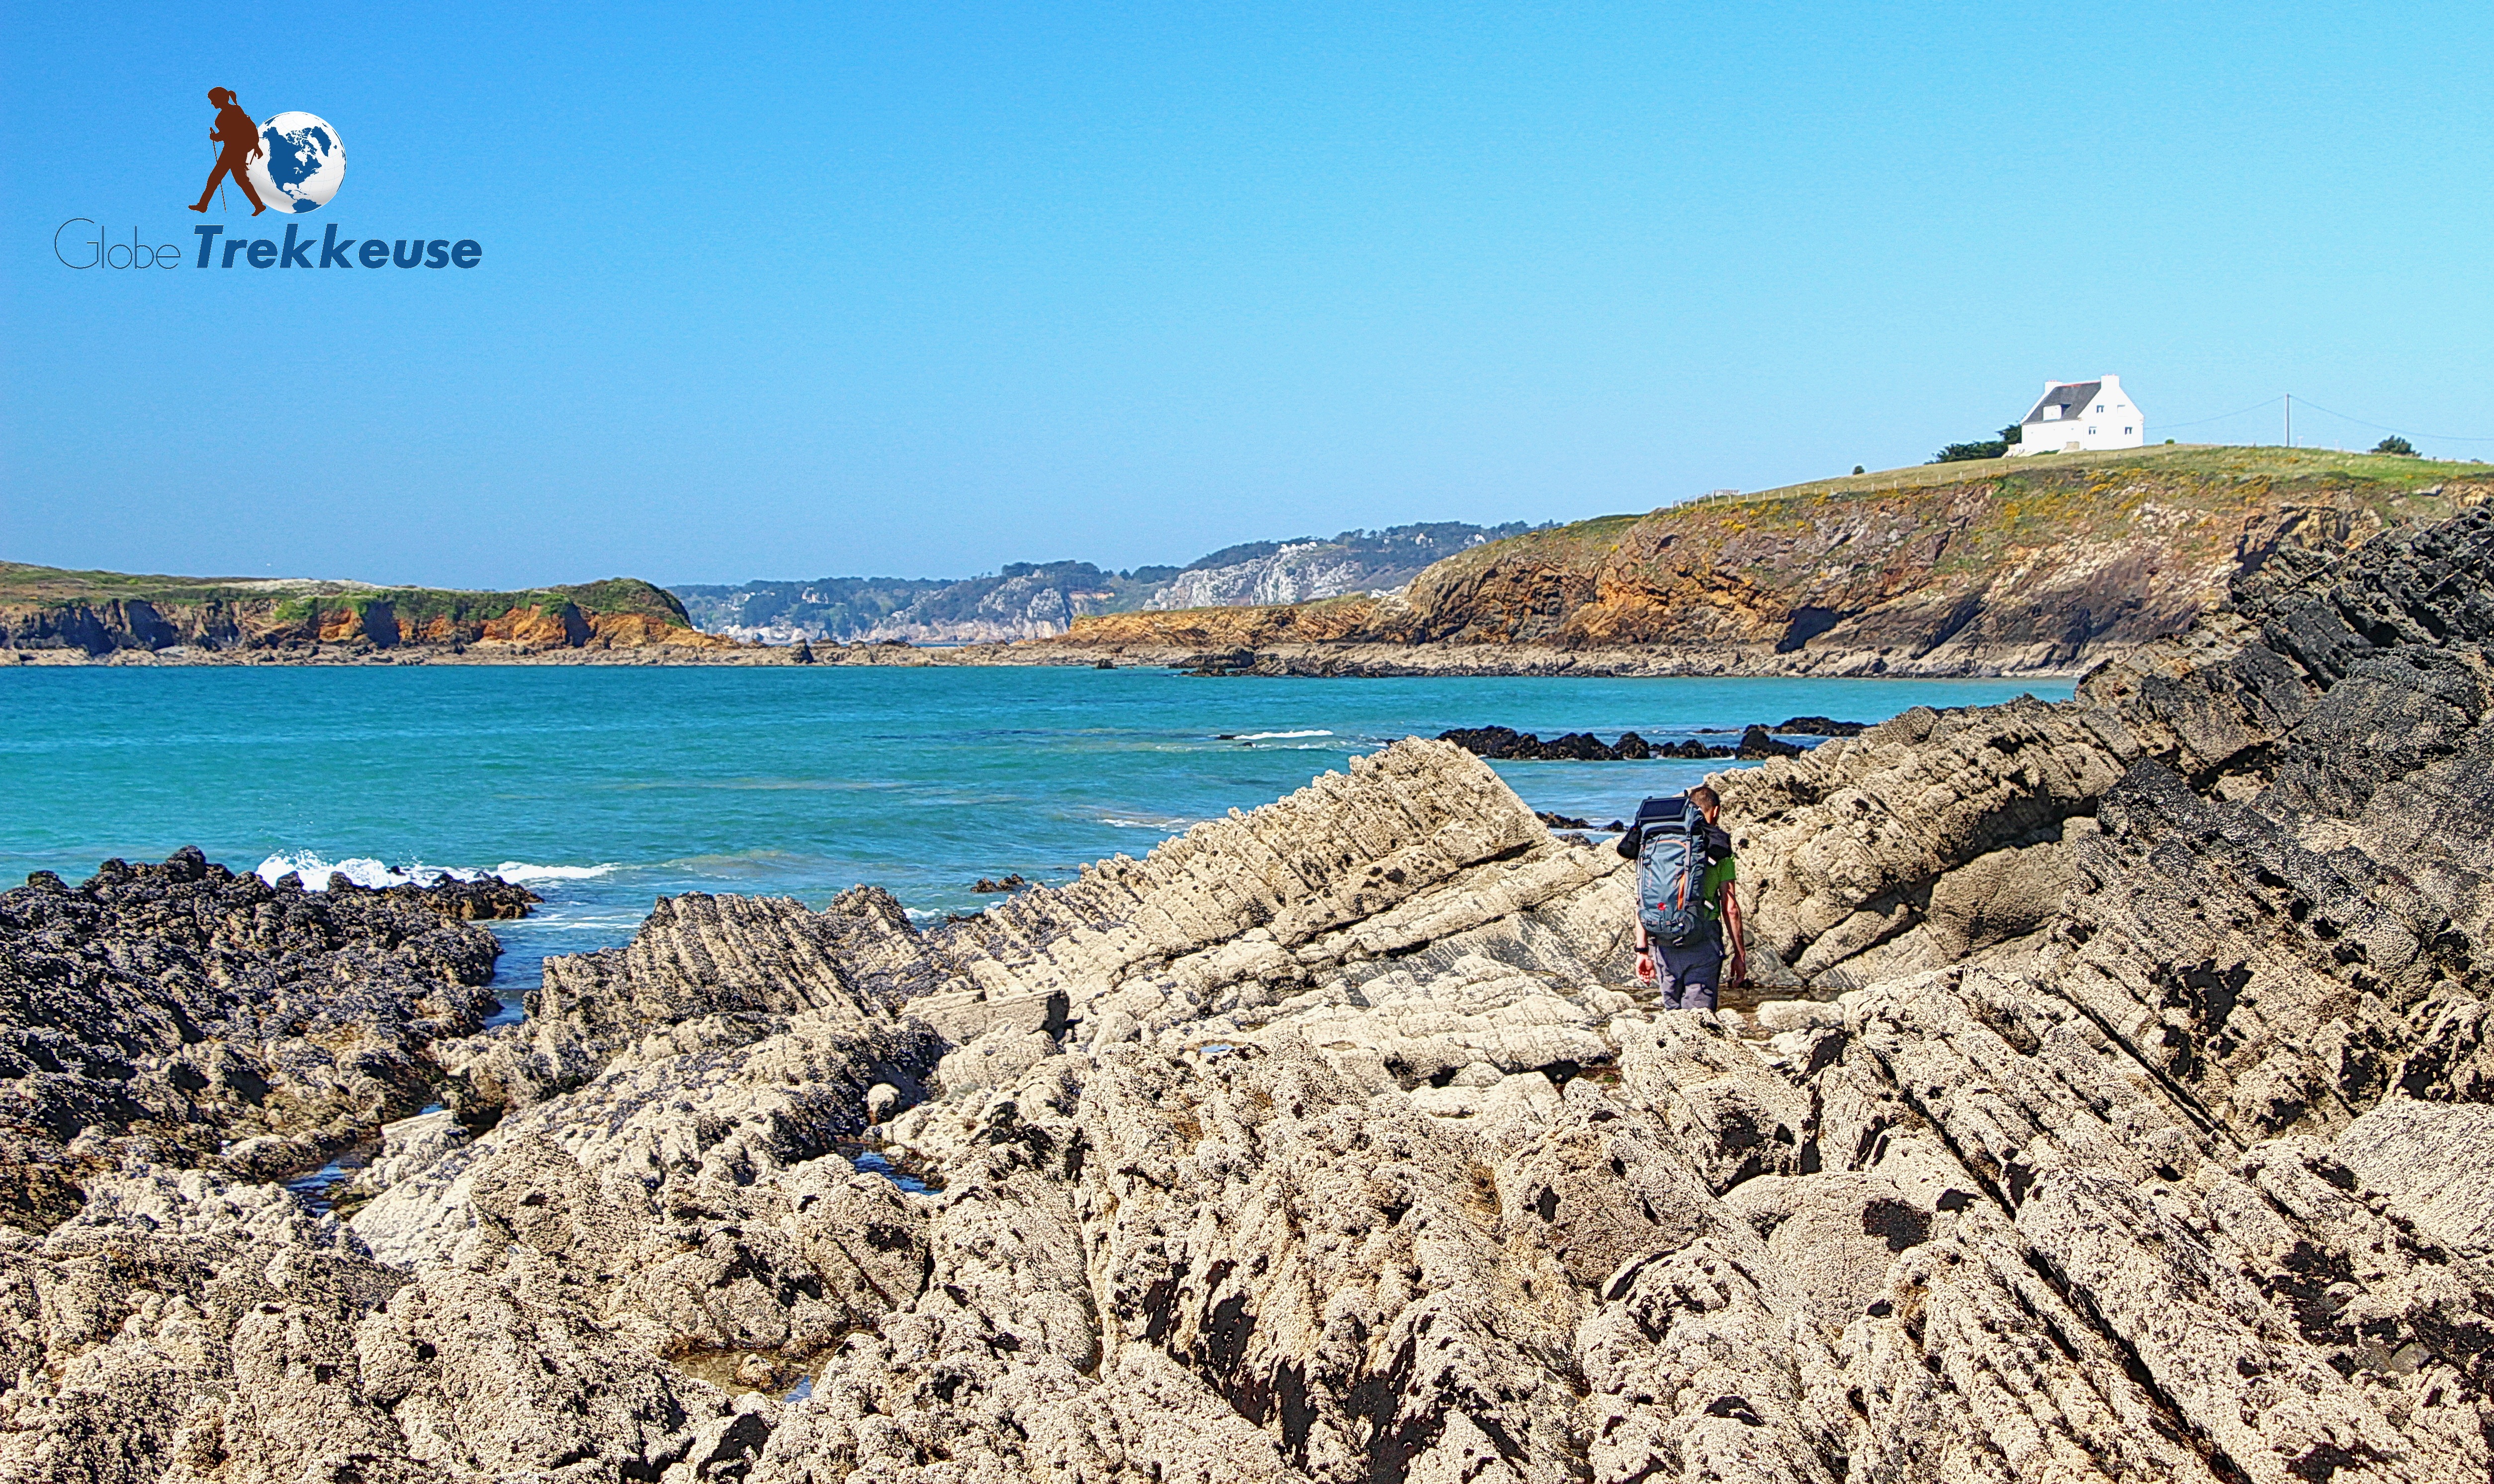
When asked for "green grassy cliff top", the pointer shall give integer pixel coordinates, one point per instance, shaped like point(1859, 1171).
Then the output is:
point(2373, 479)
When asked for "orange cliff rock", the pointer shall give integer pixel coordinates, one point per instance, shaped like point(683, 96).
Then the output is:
point(639, 631)
point(525, 628)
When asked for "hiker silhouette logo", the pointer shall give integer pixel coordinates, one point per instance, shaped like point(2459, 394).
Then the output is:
point(293, 162)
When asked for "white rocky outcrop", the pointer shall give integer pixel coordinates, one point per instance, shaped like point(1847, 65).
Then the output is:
point(1299, 572)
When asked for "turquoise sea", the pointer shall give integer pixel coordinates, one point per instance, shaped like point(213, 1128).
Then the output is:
point(604, 788)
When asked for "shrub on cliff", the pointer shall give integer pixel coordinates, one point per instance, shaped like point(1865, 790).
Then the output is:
point(1986, 448)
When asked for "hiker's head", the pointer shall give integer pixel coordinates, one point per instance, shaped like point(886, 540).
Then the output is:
point(1707, 803)
point(221, 96)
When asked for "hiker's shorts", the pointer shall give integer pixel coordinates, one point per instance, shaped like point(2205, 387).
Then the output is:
point(1689, 974)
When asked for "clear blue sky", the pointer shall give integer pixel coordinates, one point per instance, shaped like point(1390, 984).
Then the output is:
point(917, 291)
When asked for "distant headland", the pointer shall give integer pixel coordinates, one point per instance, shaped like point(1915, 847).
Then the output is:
point(2046, 564)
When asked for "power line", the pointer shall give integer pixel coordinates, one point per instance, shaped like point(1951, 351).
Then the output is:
point(2441, 437)
point(2221, 417)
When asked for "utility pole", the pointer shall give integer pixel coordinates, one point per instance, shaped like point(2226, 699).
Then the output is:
point(2290, 419)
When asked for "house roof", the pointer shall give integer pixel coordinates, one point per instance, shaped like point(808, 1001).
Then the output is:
point(2075, 395)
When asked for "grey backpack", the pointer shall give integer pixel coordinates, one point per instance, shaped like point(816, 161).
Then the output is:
point(1671, 871)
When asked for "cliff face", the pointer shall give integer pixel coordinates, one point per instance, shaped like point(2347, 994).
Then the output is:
point(1271, 572)
point(2119, 1109)
point(2043, 564)
point(98, 614)
point(1300, 571)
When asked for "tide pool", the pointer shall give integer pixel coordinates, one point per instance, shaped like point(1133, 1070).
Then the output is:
point(605, 788)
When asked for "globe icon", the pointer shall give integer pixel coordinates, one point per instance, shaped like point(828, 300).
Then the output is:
point(301, 163)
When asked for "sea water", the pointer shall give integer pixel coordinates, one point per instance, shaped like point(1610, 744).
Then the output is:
point(603, 788)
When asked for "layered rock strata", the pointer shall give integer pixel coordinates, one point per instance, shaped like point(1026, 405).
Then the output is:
point(2124, 1115)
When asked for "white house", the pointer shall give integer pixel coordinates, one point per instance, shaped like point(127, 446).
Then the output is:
point(2072, 415)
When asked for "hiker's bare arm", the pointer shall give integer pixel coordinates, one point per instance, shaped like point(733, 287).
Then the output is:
point(1740, 965)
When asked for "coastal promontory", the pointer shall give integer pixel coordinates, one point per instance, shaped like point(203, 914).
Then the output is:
point(2035, 565)
point(49, 613)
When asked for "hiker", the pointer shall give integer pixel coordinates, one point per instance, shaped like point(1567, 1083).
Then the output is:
point(1686, 911)
point(240, 139)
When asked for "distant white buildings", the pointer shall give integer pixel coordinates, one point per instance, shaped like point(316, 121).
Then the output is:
point(2075, 415)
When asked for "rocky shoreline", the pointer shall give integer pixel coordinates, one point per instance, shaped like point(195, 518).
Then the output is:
point(2116, 1103)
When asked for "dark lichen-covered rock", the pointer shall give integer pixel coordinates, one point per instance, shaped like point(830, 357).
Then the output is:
point(185, 1012)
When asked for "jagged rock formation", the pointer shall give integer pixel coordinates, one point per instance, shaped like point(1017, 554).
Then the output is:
point(2123, 1114)
point(182, 1013)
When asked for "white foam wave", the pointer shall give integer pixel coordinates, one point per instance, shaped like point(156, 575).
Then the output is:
point(365, 871)
point(522, 873)
point(362, 870)
point(1278, 736)
point(1129, 822)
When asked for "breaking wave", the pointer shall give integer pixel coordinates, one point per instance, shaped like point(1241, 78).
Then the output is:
point(521, 872)
point(365, 871)
point(362, 870)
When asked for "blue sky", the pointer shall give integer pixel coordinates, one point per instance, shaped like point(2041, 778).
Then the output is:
point(921, 290)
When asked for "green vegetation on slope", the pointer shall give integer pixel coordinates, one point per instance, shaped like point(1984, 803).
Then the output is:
point(2053, 487)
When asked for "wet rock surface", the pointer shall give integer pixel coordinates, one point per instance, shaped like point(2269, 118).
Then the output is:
point(2118, 1109)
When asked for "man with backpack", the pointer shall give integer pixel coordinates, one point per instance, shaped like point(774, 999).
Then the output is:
point(1686, 912)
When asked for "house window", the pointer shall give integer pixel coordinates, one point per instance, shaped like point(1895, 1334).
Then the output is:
point(2092, 433)
point(2128, 431)
point(2099, 406)
point(2052, 413)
